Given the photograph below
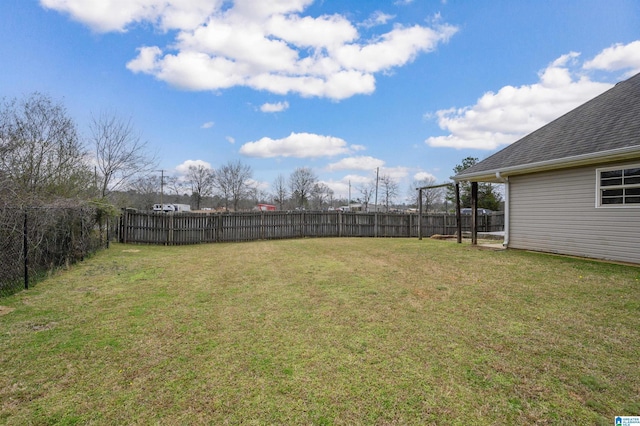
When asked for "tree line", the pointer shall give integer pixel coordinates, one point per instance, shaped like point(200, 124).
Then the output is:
point(43, 158)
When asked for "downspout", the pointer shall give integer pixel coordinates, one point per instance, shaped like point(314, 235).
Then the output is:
point(505, 180)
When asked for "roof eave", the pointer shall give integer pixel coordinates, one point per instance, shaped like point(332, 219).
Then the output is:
point(497, 174)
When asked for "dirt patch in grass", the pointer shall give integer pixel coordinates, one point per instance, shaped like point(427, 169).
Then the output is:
point(4, 310)
point(41, 326)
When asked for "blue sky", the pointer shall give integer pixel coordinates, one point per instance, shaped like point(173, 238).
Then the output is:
point(342, 87)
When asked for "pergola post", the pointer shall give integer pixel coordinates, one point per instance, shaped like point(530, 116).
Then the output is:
point(420, 213)
point(420, 204)
point(474, 213)
point(458, 215)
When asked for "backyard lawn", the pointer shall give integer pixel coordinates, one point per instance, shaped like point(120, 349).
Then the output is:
point(323, 331)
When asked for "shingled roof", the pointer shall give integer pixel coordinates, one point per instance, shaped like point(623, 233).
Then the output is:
point(606, 128)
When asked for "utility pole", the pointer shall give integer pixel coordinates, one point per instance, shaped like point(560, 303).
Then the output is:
point(161, 189)
point(349, 203)
point(377, 172)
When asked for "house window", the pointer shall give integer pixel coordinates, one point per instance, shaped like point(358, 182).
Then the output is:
point(619, 187)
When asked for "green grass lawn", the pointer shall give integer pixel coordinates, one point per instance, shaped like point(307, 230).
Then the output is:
point(323, 331)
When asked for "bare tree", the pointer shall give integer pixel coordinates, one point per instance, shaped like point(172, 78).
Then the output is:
point(320, 195)
point(201, 180)
point(41, 154)
point(120, 151)
point(430, 196)
point(258, 195)
point(175, 186)
point(367, 190)
point(280, 193)
point(147, 189)
point(233, 181)
point(301, 183)
point(7, 190)
point(389, 190)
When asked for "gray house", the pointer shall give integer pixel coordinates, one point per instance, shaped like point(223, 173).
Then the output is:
point(573, 186)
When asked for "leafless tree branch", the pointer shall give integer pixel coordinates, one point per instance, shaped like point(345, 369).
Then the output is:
point(120, 151)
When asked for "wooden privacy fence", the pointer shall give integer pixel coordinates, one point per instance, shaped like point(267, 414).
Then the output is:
point(194, 228)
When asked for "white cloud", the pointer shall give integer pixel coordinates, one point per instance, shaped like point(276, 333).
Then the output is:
point(116, 15)
point(377, 18)
point(188, 70)
point(340, 189)
point(397, 173)
point(424, 176)
point(397, 47)
point(356, 180)
point(184, 167)
point(501, 118)
point(618, 57)
point(269, 46)
point(324, 31)
point(146, 60)
point(230, 140)
point(298, 145)
point(260, 185)
point(207, 125)
point(261, 9)
point(356, 163)
point(276, 107)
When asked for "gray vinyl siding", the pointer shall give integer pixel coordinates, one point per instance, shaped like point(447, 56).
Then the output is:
point(556, 212)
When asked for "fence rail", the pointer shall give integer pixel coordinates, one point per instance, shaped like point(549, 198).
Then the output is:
point(36, 240)
point(194, 228)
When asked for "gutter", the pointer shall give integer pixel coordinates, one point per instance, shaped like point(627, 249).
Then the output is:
point(557, 163)
point(505, 180)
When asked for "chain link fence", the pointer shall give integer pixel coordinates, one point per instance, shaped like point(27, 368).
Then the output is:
point(37, 240)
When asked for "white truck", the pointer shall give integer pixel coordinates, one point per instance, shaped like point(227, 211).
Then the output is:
point(171, 208)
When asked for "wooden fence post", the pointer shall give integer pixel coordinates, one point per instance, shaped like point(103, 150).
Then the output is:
point(170, 235)
point(125, 226)
point(375, 223)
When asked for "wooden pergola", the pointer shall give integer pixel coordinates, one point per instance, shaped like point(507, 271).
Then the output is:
point(474, 209)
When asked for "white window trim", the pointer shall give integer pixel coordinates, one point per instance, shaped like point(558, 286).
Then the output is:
point(599, 204)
